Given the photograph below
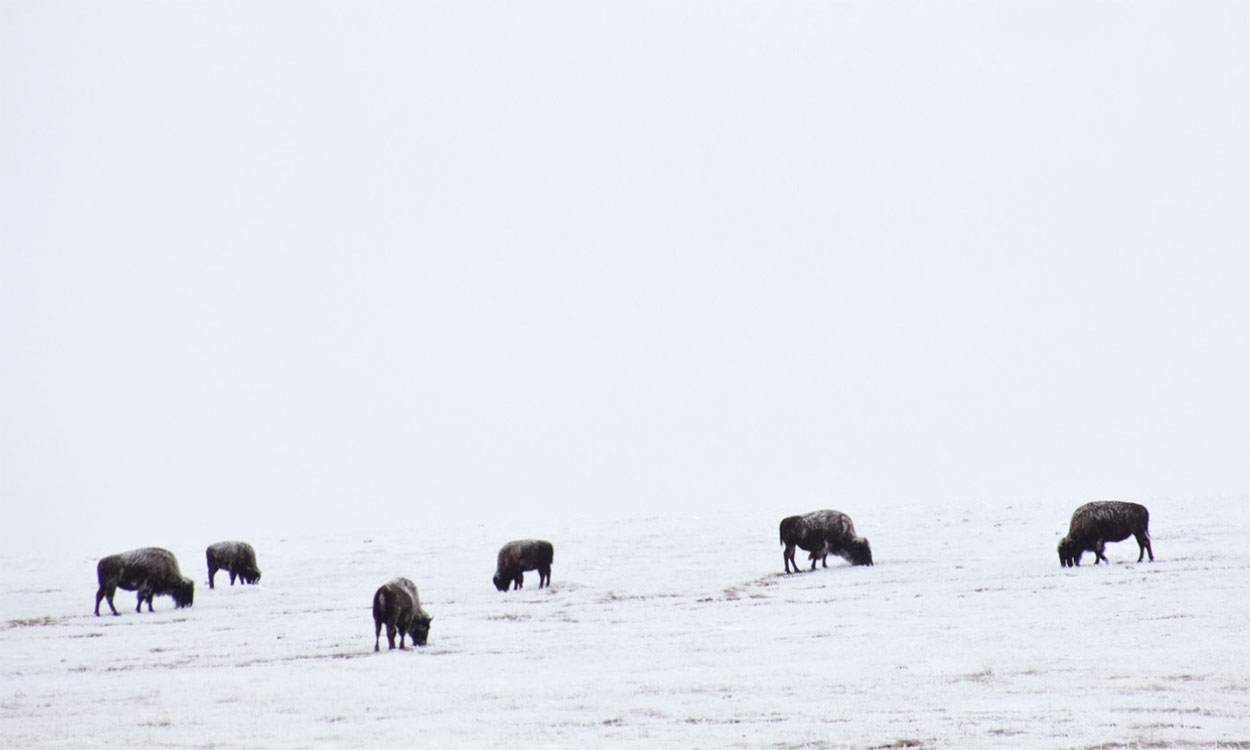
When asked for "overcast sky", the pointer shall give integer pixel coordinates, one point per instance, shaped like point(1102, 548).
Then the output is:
point(344, 259)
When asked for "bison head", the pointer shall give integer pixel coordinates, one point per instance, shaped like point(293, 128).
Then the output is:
point(501, 581)
point(861, 553)
point(1069, 553)
point(420, 629)
point(183, 593)
point(250, 576)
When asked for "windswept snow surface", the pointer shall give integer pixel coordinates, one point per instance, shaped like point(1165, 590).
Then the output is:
point(657, 631)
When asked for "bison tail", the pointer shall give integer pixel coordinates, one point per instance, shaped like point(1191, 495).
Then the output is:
point(379, 605)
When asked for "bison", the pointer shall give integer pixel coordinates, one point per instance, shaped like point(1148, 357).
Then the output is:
point(1095, 524)
point(396, 603)
point(821, 533)
point(150, 571)
point(236, 558)
point(519, 556)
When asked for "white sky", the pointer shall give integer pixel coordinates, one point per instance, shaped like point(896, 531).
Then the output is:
point(344, 259)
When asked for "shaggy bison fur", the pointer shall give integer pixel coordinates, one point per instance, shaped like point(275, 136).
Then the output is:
point(151, 571)
point(822, 533)
point(236, 558)
point(1095, 524)
point(397, 605)
point(517, 557)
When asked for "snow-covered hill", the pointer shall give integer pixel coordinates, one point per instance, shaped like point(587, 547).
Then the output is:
point(657, 631)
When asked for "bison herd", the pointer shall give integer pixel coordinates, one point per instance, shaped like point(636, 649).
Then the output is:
point(153, 571)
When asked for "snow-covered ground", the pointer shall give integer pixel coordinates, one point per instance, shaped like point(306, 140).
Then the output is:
point(673, 631)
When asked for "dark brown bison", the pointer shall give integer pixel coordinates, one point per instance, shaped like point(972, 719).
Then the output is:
point(822, 533)
point(1095, 524)
point(517, 557)
point(150, 571)
point(236, 558)
point(397, 605)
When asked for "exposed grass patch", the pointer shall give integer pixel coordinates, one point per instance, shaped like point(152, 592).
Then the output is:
point(32, 622)
point(985, 675)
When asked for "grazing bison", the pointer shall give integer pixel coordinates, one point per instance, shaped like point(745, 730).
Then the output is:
point(150, 571)
point(236, 558)
point(517, 557)
point(396, 603)
point(822, 533)
point(1095, 524)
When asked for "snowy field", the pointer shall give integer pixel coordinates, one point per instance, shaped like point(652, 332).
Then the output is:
point(657, 631)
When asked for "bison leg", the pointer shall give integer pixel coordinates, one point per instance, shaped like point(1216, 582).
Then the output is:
point(518, 582)
point(788, 558)
point(390, 635)
point(1143, 542)
point(544, 576)
point(103, 593)
point(146, 593)
point(232, 578)
point(1100, 553)
point(377, 635)
point(819, 557)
